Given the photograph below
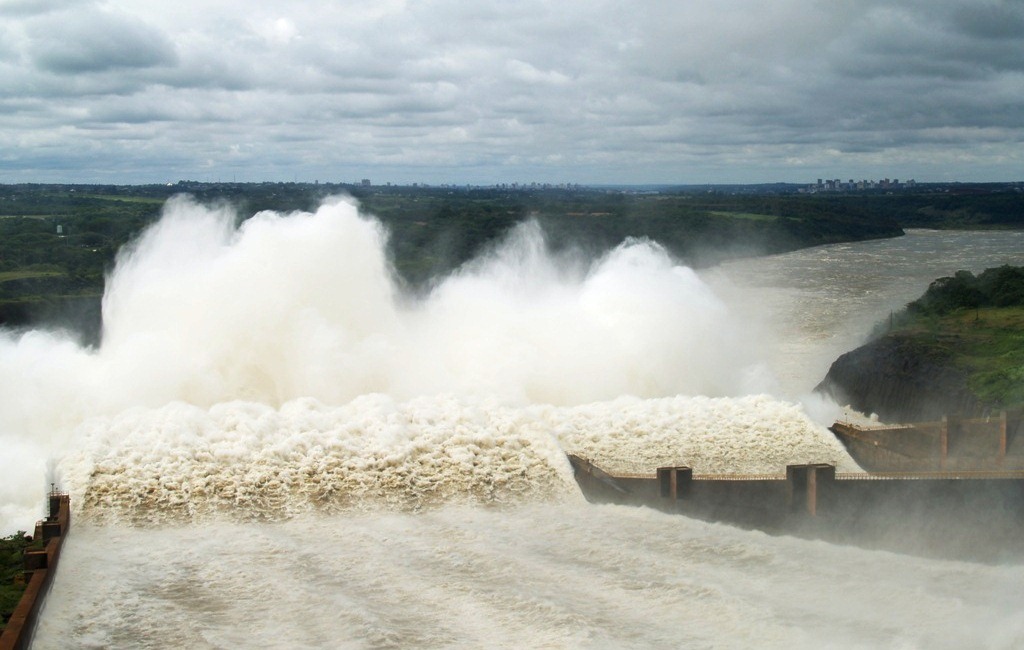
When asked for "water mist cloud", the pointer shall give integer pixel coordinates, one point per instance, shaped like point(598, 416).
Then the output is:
point(287, 307)
point(305, 305)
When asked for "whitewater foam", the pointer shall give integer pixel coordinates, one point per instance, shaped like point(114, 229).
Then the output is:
point(249, 461)
point(559, 575)
point(755, 434)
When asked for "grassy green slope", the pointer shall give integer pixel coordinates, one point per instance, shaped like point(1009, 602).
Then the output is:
point(986, 342)
point(977, 322)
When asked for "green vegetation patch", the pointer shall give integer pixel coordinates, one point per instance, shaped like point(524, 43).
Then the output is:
point(752, 216)
point(9, 276)
point(12, 584)
point(125, 199)
point(979, 320)
point(993, 341)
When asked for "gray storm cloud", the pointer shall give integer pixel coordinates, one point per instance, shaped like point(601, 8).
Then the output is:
point(439, 91)
point(96, 42)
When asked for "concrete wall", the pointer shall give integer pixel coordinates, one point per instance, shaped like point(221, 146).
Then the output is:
point(40, 567)
point(952, 444)
point(929, 514)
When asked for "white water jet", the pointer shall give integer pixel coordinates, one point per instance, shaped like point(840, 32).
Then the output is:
point(203, 319)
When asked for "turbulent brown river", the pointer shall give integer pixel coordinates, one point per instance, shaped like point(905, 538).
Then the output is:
point(275, 447)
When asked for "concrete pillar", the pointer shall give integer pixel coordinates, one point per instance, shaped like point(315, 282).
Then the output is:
point(55, 499)
point(819, 478)
point(807, 485)
point(51, 529)
point(944, 441)
point(664, 477)
point(796, 481)
point(674, 482)
point(34, 559)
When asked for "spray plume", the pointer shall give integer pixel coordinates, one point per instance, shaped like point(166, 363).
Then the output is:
point(303, 308)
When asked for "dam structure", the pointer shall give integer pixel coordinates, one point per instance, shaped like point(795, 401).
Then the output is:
point(953, 444)
point(943, 513)
point(40, 569)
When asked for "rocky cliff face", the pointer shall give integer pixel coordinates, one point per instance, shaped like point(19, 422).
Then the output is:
point(902, 378)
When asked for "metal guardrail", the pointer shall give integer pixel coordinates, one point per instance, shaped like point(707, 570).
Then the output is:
point(879, 426)
point(950, 475)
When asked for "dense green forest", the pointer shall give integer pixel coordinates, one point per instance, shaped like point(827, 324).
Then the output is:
point(58, 241)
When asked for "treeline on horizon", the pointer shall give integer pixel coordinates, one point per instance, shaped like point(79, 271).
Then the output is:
point(58, 241)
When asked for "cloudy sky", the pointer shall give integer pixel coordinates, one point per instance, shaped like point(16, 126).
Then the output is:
point(482, 91)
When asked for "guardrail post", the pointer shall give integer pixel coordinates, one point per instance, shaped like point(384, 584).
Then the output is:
point(950, 428)
point(1002, 436)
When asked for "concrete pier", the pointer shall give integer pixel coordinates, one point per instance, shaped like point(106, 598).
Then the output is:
point(40, 567)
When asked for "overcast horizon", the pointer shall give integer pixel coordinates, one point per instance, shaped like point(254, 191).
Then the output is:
point(482, 93)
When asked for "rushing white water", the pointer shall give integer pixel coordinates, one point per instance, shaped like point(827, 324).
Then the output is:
point(244, 460)
point(539, 576)
point(329, 463)
point(274, 368)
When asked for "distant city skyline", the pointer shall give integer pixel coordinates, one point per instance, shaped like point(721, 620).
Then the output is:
point(439, 91)
point(836, 184)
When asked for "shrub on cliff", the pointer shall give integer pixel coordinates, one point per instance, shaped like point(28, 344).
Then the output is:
point(997, 287)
